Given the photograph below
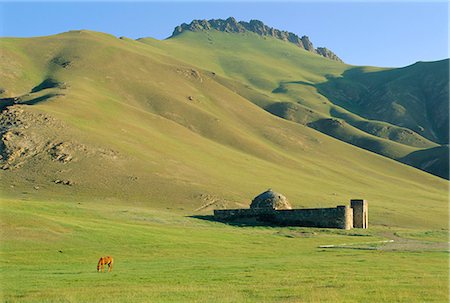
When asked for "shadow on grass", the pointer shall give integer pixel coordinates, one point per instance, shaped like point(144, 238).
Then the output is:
point(238, 223)
point(70, 273)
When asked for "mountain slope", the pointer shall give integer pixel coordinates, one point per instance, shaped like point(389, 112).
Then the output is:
point(415, 97)
point(300, 86)
point(96, 118)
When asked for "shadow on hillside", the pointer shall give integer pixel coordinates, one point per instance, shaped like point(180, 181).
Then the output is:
point(433, 160)
point(40, 99)
point(6, 102)
point(412, 97)
point(48, 83)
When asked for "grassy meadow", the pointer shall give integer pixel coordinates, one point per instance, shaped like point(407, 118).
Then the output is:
point(49, 254)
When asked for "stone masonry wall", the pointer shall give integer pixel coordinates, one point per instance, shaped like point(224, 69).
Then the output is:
point(338, 217)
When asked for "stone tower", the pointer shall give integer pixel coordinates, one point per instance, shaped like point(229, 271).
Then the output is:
point(360, 213)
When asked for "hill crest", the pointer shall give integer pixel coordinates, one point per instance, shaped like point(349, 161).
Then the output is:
point(231, 25)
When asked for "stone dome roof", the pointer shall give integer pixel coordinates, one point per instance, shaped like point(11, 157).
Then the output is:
point(272, 200)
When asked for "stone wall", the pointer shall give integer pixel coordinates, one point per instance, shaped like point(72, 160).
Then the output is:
point(337, 217)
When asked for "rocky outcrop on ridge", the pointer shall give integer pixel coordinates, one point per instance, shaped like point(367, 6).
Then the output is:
point(230, 25)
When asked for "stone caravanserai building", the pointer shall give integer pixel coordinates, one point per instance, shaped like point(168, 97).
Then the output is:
point(274, 208)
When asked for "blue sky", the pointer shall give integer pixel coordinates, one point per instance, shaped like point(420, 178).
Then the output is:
point(361, 33)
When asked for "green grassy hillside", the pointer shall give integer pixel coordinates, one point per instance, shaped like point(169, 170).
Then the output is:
point(275, 74)
point(114, 146)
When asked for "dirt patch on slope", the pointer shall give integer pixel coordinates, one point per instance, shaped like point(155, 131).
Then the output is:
point(26, 134)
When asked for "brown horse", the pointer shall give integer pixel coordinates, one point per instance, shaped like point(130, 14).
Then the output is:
point(105, 261)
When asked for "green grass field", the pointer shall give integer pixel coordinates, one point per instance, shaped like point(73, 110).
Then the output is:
point(163, 256)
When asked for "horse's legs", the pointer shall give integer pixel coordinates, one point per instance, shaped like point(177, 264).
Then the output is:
point(110, 266)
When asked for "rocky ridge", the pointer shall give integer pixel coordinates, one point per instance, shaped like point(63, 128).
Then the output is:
point(230, 25)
